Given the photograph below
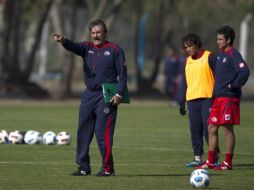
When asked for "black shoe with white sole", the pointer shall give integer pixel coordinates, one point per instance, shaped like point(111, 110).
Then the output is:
point(81, 172)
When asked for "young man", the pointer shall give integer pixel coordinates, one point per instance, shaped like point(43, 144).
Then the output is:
point(104, 62)
point(231, 74)
point(197, 88)
point(171, 66)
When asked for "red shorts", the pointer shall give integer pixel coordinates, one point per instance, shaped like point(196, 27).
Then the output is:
point(225, 111)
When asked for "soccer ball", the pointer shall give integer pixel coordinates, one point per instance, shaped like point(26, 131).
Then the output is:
point(3, 137)
point(49, 138)
point(63, 138)
point(200, 178)
point(32, 137)
point(15, 137)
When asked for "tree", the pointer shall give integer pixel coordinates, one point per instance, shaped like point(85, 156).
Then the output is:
point(11, 39)
point(169, 20)
point(68, 63)
point(14, 79)
point(145, 84)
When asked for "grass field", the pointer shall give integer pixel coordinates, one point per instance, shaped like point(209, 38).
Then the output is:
point(151, 148)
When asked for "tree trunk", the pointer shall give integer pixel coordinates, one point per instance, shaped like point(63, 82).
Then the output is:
point(11, 34)
point(158, 42)
point(110, 19)
point(68, 62)
point(140, 79)
point(14, 83)
point(31, 57)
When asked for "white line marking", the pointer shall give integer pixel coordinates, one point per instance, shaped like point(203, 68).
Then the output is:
point(97, 164)
point(169, 149)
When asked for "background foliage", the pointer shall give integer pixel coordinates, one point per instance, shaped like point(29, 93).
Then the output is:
point(27, 34)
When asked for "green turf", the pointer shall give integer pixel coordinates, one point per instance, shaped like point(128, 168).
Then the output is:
point(151, 148)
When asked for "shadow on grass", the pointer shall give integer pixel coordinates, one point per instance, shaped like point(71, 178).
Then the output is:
point(243, 166)
point(155, 175)
point(160, 175)
point(163, 175)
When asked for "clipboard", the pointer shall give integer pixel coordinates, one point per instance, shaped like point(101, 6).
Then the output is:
point(110, 89)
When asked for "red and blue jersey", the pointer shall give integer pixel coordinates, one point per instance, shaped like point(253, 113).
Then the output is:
point(231, 70)
point(105, 64)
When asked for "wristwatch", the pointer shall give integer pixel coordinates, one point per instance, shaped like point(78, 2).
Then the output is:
point(118, 95)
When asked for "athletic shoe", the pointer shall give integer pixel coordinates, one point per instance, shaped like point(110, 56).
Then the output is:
point(206, 165)
point(194, 163)
point(217, 163)
point(81, 172)
point(217, 160)
point(224, 166)
point(105, 174)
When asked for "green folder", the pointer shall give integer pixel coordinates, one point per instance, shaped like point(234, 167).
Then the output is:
point(110, 89)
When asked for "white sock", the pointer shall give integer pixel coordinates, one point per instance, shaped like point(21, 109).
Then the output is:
point(198, 158)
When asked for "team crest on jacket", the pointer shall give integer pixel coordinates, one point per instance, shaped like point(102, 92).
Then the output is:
point(106, 53)
point(106, 110)
point(224, 60)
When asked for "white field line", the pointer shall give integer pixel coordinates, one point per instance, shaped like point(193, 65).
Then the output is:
point(120, 164)
point(94, 164)
point(168, 149)
point(147, 148)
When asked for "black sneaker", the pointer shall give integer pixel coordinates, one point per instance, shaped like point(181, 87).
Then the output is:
point(105, 174)
point(81, 172)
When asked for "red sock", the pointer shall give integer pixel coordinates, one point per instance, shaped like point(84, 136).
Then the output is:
point(211, 156)
point(229, 157)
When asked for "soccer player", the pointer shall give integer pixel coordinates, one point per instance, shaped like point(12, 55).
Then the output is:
point(197, 88)
point(171, 61)
point(231, 74)
point(104, 62)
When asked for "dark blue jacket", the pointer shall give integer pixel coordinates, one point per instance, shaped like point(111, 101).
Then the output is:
point(230, 69)
point(104, 64)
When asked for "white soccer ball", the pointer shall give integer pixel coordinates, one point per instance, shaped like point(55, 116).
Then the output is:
point(63, 138)
point(200, 178)
point(15, 137)
point(49, 138)
point(3, 136)
point(32, 137)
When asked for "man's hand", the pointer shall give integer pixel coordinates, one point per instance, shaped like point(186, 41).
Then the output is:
point(116, 100)
point(182, 109)
point(59, 38)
